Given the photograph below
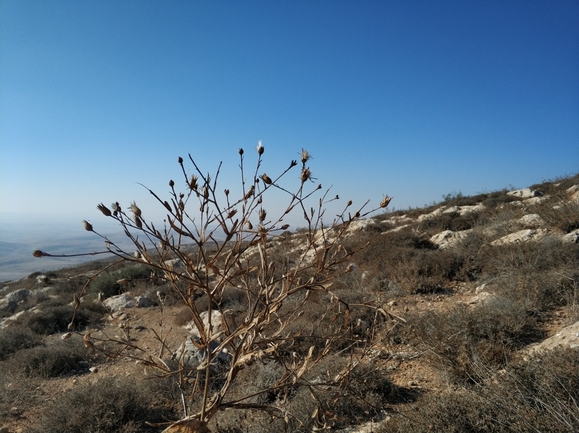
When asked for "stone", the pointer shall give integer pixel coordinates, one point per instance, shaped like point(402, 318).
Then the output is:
point(216, 328)
point(525, 235)
point(524, 193)
point(18, 296)
point(448, 238)
point(531, 221)
point(566, 337)
point(115, 303)
point(572, 237)
point(143, 302)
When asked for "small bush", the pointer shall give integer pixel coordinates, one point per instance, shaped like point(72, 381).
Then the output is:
point(48, 361)
point(51, 320)
point(109, 405)
point(464, 340)
point(14, 339)
point(539, 395)
point(107, 282)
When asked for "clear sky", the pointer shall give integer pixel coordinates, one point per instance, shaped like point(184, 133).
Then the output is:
point(413, 99)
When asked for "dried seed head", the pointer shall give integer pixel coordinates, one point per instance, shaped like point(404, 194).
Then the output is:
point(285, 227)
point(306, 174)
point(266, 179)
point(39, 253)
point(205, 192)
point(180, 160)
point(226, 192)
point(349, 203)
point(105, 210)
point(305, 156)
point(193, 184)
point(87, 225)
point(138, 222)
point(249, 193)
point(249, 225)
point(293, 163)
point(116, 208)
point(171, 183)
point(262, 214)
point(260, 148)
point(385, 201)
point(240, 150)
point(231, 213)
point(135, 209)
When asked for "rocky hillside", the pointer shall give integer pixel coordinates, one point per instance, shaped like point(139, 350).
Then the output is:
point(465, 317)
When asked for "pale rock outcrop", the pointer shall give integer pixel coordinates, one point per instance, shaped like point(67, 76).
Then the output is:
point(448, 238)
point(432, 214)
point(566, 337)
point(116, 303)
point(464, 210)
point(531, 221)
point(524, 193)
point(216, 328)
point(525, 235)
point(571, 237)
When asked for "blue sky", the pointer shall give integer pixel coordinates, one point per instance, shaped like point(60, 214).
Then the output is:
point(413, 99)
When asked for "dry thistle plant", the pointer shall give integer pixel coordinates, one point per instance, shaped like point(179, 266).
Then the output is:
point(289, 315)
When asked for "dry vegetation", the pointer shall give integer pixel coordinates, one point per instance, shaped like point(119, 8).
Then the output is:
point(366, 325)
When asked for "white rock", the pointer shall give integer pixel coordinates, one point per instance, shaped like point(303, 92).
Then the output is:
point(572, 237)
point(521, 236)
point(566, 337)
point(216, 328)
point(448, 238)
point(115, 303)
point(523, 193)
point(532, 220)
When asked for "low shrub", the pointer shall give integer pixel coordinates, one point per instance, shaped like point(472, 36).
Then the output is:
point(55, 360)
point(13, 339)
point(51, 320)
point(539, 395)
point(108, 405)
point(464, 340)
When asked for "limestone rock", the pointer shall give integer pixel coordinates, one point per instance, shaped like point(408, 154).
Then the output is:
point(524, 193)
point(115, 303)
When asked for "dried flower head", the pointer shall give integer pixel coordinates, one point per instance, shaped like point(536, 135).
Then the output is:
point(116, 208)
point(105, 210)
point(266, 179)
point(135, 209)
point(249, 193)
point(306, 174)
point(171, 183)
point(138, 222)
point(193, 184)
point(226, 191)
point(39, 253)
point(305, 156)
point(87, 225)
point(385, 201)
point(285, 227)
point(180, 160)
point(240, 150)
point(249, 225)
point(205, 192)
point(262, 214)
point(260, 148)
